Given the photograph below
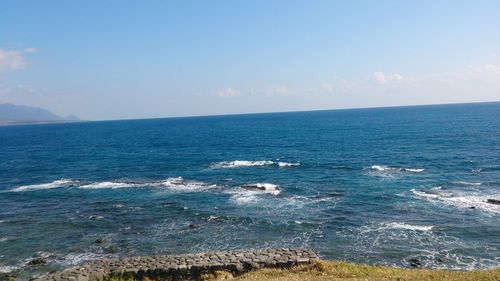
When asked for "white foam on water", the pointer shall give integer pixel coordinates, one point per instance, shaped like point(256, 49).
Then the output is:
point(50, 185)
point(179, 184)
point(414, 170)
point(240, 164)
point(242, 196)
point(459, 199)
point(108, 185)
point(7, 268)
point(468, 183)
point(286, 164)
point(79, 258)
point(399, 225)
point(387, 169)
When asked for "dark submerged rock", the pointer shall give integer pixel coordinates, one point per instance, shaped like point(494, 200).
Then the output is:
point(37, 261)
point(253, 187)
point(415, 262)
point(193, 226)
point(493, 201)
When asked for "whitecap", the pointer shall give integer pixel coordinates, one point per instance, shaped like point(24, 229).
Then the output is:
point(240, 163)
point(50, 185)
point(108, 184)
point(398, 225)
point(248, 193)
point(414, 170)
point(381, 168)
point(7, 268)
point(387, 169)
point(262, 188)
point(286, 164)
point(467, 183)
point(180, 184)
point(465, 200)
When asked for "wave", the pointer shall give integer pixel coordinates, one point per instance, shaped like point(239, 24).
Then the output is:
point(50, 185)
point(387, 169)
point(468, 183)
point(177, 183)
point(248, 193)
point(286, 164)
point(180, 184)
point(398, 225)
point(460, 199)
point(8, 268)
point(246, 163)
point(107, 184)
point(240, 163)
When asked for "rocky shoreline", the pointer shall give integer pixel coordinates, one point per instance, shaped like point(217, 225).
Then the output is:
point(178, 267)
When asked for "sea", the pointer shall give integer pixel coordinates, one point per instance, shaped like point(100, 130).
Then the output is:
point(398, 186)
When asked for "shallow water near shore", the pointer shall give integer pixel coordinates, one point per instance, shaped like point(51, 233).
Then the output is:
point(395, 186)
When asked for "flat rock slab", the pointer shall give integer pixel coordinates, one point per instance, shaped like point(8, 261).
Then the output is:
point(184, 266)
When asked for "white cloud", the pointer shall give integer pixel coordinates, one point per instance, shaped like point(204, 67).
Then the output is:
point(383, 78)
point(10, 60)
point(30, 50)
point(485, 69)
point(228, 92)
point(280, 90)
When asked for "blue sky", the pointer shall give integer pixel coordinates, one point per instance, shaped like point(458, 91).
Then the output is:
point(140, 59)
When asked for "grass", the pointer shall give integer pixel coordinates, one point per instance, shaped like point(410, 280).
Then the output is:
point(334, 270)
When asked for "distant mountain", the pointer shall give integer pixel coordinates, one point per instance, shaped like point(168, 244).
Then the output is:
point(11, 113)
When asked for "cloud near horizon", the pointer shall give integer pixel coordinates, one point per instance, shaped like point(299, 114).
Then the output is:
point(11, 60)
point(227, 92)
point(388, 78)
point(280, 90)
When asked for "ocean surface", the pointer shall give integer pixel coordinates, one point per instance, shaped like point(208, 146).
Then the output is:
point(400, 186)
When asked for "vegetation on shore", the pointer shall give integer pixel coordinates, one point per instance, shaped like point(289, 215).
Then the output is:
point(335, 270)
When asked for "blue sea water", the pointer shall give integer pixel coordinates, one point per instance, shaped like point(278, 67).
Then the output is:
point(400, 186)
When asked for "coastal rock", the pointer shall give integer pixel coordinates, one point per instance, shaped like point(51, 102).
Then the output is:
point(253, 187)
point(100, 240)
point(493, 201)
point(183, 266)
point(37, 261)
point(415, 262)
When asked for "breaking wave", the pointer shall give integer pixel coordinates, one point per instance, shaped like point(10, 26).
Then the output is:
point(249, 193)
point(50, 185)
point(177, 183)
point(467, 183)
point(459, 199)
point(246, 163)
point(108, 184)
point(398, 225)
point(387, 169)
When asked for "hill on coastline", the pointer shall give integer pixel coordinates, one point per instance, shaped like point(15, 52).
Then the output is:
point(21, 114)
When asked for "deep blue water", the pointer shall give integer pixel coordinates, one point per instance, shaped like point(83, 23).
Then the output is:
point(382, 186)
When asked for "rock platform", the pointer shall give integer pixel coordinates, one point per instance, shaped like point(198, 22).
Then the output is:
point(177, 267)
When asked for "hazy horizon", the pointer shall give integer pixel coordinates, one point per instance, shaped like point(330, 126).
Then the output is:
point(115, 60)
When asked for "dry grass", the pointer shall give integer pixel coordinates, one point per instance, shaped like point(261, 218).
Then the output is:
point(334, 270)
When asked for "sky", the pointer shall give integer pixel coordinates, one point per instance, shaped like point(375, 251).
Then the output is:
point(104, 60)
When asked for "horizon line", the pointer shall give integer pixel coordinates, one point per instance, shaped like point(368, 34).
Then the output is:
point(291, 111)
